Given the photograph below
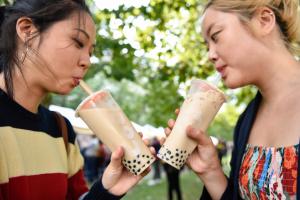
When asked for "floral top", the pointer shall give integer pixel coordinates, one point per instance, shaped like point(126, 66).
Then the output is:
point(269, 172)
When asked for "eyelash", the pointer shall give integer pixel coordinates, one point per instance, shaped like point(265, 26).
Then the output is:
point(78, 43)
point(214, 35)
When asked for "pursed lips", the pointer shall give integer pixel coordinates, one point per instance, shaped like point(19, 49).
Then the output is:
point(221, 70)
point(76, 80)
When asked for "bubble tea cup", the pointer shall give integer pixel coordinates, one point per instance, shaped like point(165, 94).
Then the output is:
point(198, 110)
point(109, 123)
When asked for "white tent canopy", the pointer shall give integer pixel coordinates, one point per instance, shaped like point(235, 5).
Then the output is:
point(81, 128)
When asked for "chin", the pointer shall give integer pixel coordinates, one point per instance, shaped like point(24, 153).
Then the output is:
point(64, 91)
point(232, 84)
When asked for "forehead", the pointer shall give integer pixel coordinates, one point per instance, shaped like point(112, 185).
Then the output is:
point(213, 17)
point(79, 21)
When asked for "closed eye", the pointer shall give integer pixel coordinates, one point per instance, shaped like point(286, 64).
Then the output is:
point(214, 36)
point(79, 44)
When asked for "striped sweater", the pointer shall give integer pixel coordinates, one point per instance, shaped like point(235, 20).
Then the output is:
point(34, 164)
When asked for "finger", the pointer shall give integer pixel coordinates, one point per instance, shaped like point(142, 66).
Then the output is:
point(140, 134)
point(152, 150)
point(116, 159)
point(162, 140)
point(146, 142)
point(198, 135)
point(146, 171)
point(167, 131)
point(177, 111)
point(171, 123)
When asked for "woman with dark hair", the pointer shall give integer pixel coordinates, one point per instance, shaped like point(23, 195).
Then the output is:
point(45, 46)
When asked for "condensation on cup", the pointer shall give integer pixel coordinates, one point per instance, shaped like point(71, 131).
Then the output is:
point(109, 123)
point(198, 110)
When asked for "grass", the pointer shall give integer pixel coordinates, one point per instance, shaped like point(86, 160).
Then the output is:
point(191, 188)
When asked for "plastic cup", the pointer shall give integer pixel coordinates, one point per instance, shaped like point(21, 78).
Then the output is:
point(198, 110)
point(109, 123)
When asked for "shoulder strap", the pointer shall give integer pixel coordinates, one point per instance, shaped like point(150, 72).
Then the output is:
point(63, 129)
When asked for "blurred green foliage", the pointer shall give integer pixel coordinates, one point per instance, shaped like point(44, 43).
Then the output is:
point(144, 54)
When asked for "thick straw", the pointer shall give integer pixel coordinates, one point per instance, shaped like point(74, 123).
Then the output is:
point(85, 87)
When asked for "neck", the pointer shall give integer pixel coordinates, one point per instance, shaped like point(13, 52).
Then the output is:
point(26, 93)
point(281, 77)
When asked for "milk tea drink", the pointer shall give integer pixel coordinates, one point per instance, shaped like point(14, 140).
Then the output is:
point(106, 119)
point(198, 110)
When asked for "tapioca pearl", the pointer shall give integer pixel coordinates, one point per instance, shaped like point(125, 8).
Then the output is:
point(148, 162)
point(138, 170)
point(147, 156)
point(128, 161)
point(172, 157)
point(138, 156)
point(143, 156)
point(139, 162)
point(134, 161)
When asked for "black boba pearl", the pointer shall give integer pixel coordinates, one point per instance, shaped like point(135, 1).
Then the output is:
point(172, 157)
point(134, 161)
point(139, 162)
point(148, 162)
point(169, 152)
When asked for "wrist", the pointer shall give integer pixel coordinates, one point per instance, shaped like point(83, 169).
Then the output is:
point(215, 182)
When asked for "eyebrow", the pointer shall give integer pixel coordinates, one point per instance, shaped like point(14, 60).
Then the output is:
point(84, 33)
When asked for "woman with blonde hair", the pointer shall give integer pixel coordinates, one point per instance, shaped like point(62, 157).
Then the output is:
point(251, 42)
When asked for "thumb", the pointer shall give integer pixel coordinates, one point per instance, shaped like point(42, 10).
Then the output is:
point(199, 136)
point(116, 159)
point(114, 169)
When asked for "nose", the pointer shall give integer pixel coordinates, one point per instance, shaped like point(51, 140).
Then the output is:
point(85, 61)
point(212, 55)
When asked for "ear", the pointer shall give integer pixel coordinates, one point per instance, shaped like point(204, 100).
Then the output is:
point(264, 21)
point(25, 28)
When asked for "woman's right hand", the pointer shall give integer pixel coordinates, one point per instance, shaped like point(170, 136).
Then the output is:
point(204, 159)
